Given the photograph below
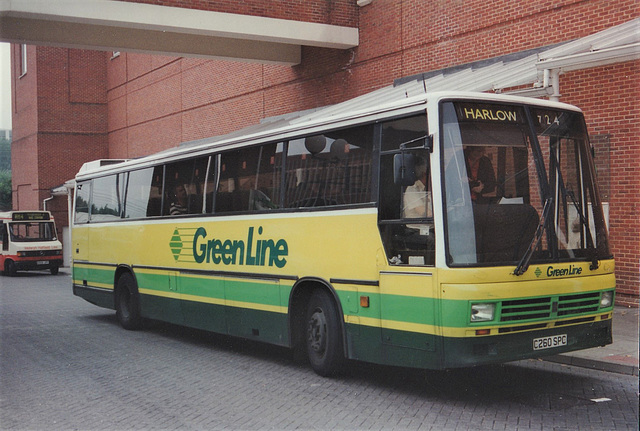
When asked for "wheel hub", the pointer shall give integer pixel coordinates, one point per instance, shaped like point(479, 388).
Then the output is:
point(317, 331)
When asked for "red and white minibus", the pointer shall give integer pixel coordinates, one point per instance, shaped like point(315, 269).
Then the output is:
point(29, 242)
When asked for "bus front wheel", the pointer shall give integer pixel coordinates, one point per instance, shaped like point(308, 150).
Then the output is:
point(10, 268)
point(127, 303)
point(323, 335)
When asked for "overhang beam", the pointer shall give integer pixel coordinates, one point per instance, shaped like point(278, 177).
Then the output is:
point(115, 25)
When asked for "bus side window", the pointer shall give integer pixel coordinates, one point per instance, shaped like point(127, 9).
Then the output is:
point(330, 169)
point(139, 192)
point(250, 180)
point(83, 196)
point(4, 236)
point(106, 198)
point(184, 187)
point(406, 206)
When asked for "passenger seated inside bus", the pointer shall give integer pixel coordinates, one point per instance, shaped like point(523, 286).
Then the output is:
point(498, 203)
point(415, 203)
point(178, 200)
point(406, 211)
point(482, 178)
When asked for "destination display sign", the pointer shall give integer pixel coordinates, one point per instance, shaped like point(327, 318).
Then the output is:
point(486, 112)
point(30, 216)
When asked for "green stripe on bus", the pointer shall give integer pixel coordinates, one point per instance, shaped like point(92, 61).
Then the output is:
point(94, 275)
point(258, 292)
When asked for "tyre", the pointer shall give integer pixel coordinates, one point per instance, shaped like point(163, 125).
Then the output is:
point(127, 302)
point(54, 270)
point(10, 268)
point(324, 335)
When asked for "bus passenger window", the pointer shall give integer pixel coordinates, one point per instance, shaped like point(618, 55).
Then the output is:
point(83, 195)
point(140, 185)
point(250, 180)
point(107, 198)
point(330, 169)
point(4, 236)
point(184, 187)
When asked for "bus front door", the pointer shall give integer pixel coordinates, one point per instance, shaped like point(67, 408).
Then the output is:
point(407, 314)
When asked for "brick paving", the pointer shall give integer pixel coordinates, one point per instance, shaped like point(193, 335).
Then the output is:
point(66, 364)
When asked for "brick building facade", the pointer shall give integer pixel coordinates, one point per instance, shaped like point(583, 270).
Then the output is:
point(74, 105)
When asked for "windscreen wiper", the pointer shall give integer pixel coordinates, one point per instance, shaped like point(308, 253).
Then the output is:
point(524, 262)
point(583, 222)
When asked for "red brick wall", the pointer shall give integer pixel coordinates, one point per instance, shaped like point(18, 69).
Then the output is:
point(440, 34)
point(23, 107)
point(60, 122)
point(25, 127)
point(609, 96)
point(72, 113)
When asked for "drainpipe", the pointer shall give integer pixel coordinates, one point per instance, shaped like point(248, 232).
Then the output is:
point(44, 203)
point(555, 83)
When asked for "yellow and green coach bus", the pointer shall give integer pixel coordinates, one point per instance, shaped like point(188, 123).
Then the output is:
point(440, 230)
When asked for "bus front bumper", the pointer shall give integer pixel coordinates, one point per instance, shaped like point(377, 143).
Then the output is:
point(464, 352)
point(37, 264)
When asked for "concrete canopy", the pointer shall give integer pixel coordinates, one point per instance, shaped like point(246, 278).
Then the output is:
point(114, 25)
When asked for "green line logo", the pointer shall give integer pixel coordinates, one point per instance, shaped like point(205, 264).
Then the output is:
point(181, 244)
point(194, 245)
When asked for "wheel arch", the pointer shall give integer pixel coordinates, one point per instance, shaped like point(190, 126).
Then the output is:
point(298, 301)
point(119, 272)
point(126, 298)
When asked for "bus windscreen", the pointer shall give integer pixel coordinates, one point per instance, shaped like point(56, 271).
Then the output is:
point(501, 165)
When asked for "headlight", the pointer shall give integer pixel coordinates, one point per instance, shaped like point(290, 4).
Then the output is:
point(606, 299)
point(22, 253)
point(482, 312)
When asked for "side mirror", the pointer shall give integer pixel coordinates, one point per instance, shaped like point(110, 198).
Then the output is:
point(404, 169)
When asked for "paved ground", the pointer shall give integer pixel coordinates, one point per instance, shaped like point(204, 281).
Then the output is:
point(619, 357)
point(66, 364)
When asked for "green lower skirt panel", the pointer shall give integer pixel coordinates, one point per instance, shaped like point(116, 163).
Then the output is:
point(100, 297)
point(389, 347)
point(256, 325)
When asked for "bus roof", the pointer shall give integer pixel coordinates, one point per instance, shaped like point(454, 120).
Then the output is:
point(389, 101)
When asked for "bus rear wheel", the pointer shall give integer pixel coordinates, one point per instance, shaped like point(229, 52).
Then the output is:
point(127, 302)
point(323, 335)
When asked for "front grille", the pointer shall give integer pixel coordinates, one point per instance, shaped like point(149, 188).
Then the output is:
point(41, 253)
point(570, 305)
point(549, 307)
point(525, 309)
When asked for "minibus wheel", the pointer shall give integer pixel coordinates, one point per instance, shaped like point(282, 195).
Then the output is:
point(54, 270)
point(323, 335)
point(10, 268)
point(127, 302)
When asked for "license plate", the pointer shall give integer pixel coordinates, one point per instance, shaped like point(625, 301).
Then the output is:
point(43, 262)
point(549, 342)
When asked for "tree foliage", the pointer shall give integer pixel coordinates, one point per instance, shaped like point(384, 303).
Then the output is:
point(5, 154)
point(5, 190)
